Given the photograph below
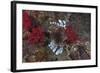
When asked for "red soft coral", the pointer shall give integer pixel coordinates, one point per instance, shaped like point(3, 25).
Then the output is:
point(72, 37)
point(26, 21)
point(37, 35)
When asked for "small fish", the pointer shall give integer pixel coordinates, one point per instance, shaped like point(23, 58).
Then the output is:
point(55, 48)
point(60, 22)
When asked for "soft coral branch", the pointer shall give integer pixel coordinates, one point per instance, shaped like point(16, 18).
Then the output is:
point(26, 21)
point(37, 35)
